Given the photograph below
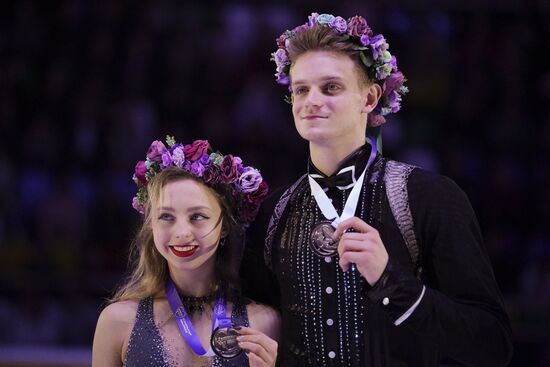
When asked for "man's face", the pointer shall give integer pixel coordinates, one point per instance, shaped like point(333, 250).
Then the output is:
point(328, 105)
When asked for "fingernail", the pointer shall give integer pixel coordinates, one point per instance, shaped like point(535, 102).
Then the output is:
point(239, 339)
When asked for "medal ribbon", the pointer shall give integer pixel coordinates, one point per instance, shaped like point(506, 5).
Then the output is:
point(219, 319)
point(324, 203)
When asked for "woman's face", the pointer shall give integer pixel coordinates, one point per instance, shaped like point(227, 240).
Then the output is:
point(186, 223)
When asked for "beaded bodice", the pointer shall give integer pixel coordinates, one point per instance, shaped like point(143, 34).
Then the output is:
point(148, 347)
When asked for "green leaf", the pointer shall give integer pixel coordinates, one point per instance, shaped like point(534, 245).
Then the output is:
point(170, 140)
point(367, 60)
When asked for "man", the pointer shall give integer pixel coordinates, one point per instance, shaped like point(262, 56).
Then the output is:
point(377, 263)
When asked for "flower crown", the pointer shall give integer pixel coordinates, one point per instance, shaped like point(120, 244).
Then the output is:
point(245, 184)
point(381, 65)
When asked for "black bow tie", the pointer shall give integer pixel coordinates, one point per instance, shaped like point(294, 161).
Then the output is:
point(340, 180)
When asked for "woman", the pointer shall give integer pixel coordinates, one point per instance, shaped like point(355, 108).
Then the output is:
point(181, 306)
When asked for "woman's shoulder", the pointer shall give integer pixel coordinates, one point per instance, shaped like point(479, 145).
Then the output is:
point(113, 329)
point(120, 311)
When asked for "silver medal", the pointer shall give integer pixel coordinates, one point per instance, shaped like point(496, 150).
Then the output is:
point(322, 240)
point(224, 342)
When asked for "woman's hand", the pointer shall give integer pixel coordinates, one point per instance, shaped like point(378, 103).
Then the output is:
point(260, 348)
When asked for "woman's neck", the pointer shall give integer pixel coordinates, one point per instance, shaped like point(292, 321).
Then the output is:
point(193, 283)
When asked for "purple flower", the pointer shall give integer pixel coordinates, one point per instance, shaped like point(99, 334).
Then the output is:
point(358, 27)
point(140, 171)
point(280, 57)
point(205, 160)
point(137, 205)
point(393, 63)
point(312, 19)
point(166, 160)
point(365, 40)
point(393, 102)
point(178, 157)
point(378, 44)
point(156, 150)
point(197, 169)
point(249, 180)
point(282, 78)
point(298, 29)
point(339, 24)
point(393, 81)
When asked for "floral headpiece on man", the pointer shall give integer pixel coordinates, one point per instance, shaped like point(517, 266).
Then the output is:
point(245, 184)
point(380, 64)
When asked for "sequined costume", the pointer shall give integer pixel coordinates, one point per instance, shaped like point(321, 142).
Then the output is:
point(334, 318)
point(146, 347)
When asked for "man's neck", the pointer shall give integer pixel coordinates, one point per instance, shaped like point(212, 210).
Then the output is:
point(327, 158)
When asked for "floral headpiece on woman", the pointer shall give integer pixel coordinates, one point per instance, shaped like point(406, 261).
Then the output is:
point(245, 184)
point(380, 64)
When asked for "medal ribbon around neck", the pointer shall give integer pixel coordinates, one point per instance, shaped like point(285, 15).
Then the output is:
point(219, 319)
point(324, 203)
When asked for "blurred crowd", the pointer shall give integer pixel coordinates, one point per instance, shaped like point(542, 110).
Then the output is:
point(86, 86)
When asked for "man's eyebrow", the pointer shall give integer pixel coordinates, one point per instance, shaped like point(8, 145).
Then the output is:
point(327, 78)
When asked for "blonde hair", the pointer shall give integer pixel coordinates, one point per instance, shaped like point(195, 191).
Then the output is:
point(149, 269)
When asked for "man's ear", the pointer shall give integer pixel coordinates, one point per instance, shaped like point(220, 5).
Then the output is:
point(373, 92)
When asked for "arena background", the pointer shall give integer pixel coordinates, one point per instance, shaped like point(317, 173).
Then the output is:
point(85, 87)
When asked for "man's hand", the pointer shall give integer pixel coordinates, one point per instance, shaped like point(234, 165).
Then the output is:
point(363, 247)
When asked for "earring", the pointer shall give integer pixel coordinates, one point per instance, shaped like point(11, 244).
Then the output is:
point(222, 241)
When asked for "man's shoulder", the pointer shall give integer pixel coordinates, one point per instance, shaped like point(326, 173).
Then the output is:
point(423, 180)
point(428, 190)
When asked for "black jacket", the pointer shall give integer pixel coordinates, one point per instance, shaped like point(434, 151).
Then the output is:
point(460, 319)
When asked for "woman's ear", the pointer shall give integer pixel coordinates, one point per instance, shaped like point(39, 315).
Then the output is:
point(225, 230)
point(372, 95)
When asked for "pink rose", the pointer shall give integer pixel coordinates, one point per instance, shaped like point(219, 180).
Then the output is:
point(375, 120)
point(140, 172)
point(195, 150)
point(156, 150)
point(358, 26)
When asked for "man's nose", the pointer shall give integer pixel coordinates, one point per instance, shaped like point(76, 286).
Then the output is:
point(314, 98)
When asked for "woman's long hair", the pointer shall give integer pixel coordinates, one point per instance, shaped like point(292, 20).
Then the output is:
point(148, 269)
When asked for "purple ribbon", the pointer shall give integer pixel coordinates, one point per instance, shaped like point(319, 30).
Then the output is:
point(219, 319)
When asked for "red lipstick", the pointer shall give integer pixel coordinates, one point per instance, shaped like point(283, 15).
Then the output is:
point(183, 250)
